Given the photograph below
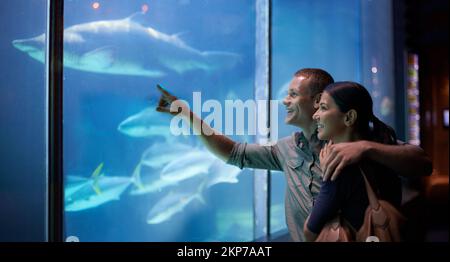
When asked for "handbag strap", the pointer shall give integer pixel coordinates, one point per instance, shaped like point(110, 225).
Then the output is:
point(373, 200)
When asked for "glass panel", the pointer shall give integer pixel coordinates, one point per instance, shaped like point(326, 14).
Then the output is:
point(127, 178)
point(347, 39)
point(308, 34)
point(378, 57)
point(23, 106)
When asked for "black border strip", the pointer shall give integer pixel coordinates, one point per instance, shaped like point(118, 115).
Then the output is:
point(55, 29)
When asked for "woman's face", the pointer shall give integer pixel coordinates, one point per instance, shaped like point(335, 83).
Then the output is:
point(330, 121)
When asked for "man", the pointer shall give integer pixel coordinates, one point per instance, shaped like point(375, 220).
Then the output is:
point(297, 155)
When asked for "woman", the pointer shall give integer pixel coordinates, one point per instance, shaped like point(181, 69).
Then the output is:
point(345, 115)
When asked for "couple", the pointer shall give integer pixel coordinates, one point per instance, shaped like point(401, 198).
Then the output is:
point(340, 113)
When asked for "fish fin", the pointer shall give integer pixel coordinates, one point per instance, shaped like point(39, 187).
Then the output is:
point(199, 194)
point(96, 189)
point(96, 172)
point(137, 17)
point(179, 34)
point(201, 199)
point(102, 57)
point(95, 176)
point(136, 177)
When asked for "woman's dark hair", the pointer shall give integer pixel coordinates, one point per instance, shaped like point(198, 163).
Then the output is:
point(350, 95)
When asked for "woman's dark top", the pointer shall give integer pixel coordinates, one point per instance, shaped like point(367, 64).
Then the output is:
point(347, 194)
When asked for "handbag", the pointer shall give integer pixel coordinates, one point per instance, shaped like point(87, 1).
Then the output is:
point(336, 230)
point(382, 223)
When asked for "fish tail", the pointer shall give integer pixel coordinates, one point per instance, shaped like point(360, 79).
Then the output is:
point(199, 193)
point(136, 177)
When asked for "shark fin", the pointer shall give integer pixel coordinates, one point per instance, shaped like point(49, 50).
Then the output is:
point(136, 177)
point(179, 34)
point(137, 17)
point(201, 199)
point(199, 193)
point(102, 57)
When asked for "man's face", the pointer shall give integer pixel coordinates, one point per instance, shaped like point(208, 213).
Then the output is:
point(299, 103)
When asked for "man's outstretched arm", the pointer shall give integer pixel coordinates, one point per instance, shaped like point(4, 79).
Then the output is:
point(406, 160)
point(216, 143)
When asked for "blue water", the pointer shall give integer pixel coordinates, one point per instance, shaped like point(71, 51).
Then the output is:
point(22, 132)
point(95, 105)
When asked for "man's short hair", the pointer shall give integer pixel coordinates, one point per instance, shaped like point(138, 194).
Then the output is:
point(319, 79)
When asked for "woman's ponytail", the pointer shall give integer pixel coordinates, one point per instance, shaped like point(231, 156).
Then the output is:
point(381, 132)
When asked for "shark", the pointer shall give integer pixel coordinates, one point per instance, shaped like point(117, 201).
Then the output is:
point(193, 164)
point(159, 154)
point(155, 185)
point(174, 202)
point(126, 47)
point(147, 122)
point(82, 193)
point(176, 163)
point(221, 172)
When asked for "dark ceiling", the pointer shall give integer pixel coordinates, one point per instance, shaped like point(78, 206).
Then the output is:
point(426, 23)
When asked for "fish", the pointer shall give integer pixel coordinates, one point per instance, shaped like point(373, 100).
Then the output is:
point(126, 47)
point(145, 123)
point(221, 172)
point(195, 163)
point(74, 182)
point(159, 154)
point(155, 185)
point(94, 191)
point(151, 187)
point(155, 158)
point(173, 203)
point(180, 162)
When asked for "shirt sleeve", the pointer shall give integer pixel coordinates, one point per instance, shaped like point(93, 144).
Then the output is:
point(325, 207)
point(254, 156)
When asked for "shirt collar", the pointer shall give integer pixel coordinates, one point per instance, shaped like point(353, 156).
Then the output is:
point(313, 144)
